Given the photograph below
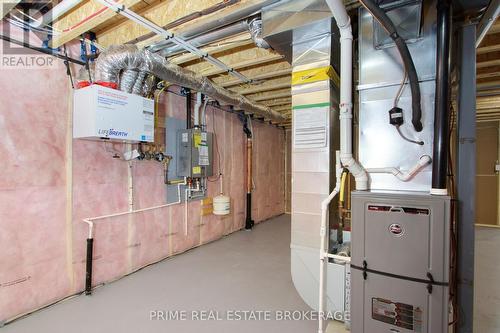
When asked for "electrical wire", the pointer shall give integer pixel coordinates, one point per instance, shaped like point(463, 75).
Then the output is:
point(23, 25)
point(38, 21)
point(401, 89)
point(28, 25)
point(453, 223)
point(398, 127)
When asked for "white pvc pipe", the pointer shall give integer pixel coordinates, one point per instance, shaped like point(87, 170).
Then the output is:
point(197, 108)
point(57, 11)
point(323, 250)
point(186, 196)
point(424, 161)
point(90, 220)
point(346, 157)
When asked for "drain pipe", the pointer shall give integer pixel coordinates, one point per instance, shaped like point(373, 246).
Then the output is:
point(346, 157)
point(442, 99)
point(187, 93)
point(197, 107)
point(248, 222)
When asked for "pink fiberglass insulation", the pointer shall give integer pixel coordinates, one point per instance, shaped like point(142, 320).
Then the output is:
point(51, 182)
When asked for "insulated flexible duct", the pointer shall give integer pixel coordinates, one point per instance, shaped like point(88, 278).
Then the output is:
point(380, 15)
point(117, 58)
point(139, 82)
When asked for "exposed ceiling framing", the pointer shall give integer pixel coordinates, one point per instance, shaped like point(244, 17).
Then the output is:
point(270, 74)
point(488, 75)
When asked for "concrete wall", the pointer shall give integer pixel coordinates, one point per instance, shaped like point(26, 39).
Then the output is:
point(50, 182)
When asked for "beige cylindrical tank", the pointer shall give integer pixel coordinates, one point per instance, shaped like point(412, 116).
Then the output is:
point(221, 205)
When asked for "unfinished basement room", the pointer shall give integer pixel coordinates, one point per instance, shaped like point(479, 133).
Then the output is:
point(253, 166)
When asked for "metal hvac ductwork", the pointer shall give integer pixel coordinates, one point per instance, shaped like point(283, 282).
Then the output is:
point(119, 58)
point(254, 27)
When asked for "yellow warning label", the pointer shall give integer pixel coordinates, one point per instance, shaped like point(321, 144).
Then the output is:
point(197, 139)
point(196, 170)
point(314, 75)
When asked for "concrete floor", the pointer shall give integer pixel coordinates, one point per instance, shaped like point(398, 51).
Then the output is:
point(244, 271)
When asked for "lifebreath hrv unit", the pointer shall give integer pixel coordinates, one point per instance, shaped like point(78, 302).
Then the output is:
point(400, 262)
point(104, 113)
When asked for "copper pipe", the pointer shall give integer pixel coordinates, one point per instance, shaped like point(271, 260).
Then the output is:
point(249, 165)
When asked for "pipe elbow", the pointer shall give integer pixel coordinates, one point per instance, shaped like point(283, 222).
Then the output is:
point(359, 173)
point(346, 32)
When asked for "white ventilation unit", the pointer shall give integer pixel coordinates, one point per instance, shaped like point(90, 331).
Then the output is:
point(101, 113)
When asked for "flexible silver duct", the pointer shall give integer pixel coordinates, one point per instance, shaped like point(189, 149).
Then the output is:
point(117, 58)
point(255, 29)
point(127, 80)
point(137, 88)
point(149, 85)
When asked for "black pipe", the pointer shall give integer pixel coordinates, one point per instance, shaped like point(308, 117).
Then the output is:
point(442, 98)
point(187, 93)
point(88, 273)
point(249, 222)
point(380, 15)
point(41, 50)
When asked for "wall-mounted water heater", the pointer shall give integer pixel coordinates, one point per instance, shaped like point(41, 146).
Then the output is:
point(108, 114)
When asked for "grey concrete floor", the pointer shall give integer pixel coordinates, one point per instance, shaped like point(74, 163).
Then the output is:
point(248, 270)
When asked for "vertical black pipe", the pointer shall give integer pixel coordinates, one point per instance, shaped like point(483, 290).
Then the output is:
point(249, 222)
point(187, 91)
point(88, 274)
point(442, 98)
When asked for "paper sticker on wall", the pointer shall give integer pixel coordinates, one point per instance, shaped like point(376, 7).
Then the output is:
point(310, 125)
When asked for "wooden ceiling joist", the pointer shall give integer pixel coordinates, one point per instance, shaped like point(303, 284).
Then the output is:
point(244, 64)
point(283, 108)
point(161, 13)
point(185, 58)
point(267, 87)
point(271, 96)
point(87, 17)
point(278, 102)
point(490, 63)
point(488, 49)
point(487, 75)
point(265, 76)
